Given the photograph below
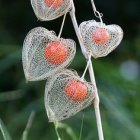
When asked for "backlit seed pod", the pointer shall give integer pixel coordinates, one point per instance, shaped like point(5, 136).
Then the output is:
point(46, 10)
point(44, 54)
point(100, 39)
point(66, 94)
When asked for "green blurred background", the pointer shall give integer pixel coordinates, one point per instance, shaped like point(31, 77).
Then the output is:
point(117, 75)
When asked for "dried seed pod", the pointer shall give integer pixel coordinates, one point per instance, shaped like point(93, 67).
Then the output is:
point(66, 94)
point(46, 10)
point(45, 54)
point(100, 39)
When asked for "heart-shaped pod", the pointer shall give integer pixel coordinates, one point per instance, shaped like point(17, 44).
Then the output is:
point(46, 10)
point(44, 54)
point(66, 94)
point(100, 39)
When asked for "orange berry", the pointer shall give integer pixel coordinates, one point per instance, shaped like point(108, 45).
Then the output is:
point(100, 36)
point(54, 3)
point(56, 52)
point(76, 90)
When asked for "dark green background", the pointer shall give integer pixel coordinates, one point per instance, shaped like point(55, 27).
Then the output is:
point(117, 75)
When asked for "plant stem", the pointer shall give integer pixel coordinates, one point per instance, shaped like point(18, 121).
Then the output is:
point(96, 103)
point(91, 72)
point(75, 24)
point(56, 130)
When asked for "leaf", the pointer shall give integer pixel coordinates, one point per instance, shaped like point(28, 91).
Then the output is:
point(68, 130)
point(11, 95)
point(28, 126)
point(20, 117)
point(10, 60)
point(121, 115)
point(8, 49)
point(4, 131)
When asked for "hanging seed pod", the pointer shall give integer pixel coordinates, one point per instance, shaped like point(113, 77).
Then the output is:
point(66, 94)
point(100, 39)
point(45, 54)
point(46, 10)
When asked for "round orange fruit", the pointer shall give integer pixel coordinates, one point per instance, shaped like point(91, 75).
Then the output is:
point(56, 52)
point(54, 3)
point(76, 90)
point(100, 36)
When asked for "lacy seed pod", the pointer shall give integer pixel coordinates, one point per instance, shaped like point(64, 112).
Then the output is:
point(100, 39)
point(66, 94)
point(44, 54)
point(46, 10)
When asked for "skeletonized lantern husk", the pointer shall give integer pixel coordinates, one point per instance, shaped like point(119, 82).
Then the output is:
point(100, 39)
point(46, 10)
point(36, 66)
point(59, 102)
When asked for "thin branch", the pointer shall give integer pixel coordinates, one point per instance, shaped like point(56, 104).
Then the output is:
point(96, 104)
point(93, 5)
point(62, 25)
point(56, 130)
point(92, 77)
point(96, 12)
point(84, 73)
point(74, 21)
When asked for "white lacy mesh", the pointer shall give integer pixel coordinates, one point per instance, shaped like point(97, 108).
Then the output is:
point(35, 65)
point(58, 105)
point(115, 36)
point(45, 13)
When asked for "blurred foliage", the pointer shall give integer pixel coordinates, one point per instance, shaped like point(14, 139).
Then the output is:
point(117, 75)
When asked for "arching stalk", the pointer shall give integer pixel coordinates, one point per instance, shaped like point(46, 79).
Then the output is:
point(91, 72)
